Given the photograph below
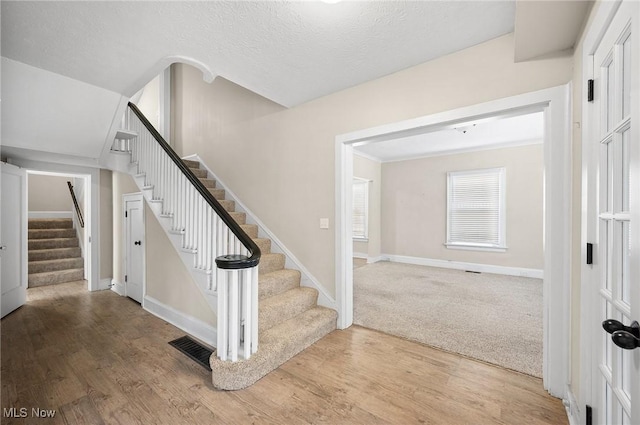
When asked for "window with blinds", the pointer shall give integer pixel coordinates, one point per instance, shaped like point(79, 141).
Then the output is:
point(476, 209)
point(360, 209)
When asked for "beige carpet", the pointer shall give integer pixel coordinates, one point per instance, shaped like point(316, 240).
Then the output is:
point(494, 318)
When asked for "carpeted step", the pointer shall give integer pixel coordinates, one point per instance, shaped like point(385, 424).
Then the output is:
point(277, 282)
point(208, 182)
point(50, 223)
point(278, 309)
point(191, 164)
point(55, 265)
point(250, 229)
point(277, 345)
point(51, 278)
point(54, 254)
point(228, 205)
point(270, 263)
point(38, 244)
point(51, 233)
point(264, 244)
point(239, 217)
point(217, 193)
point(202, 174)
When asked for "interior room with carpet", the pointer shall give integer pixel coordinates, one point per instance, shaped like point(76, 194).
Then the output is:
point(212, 148)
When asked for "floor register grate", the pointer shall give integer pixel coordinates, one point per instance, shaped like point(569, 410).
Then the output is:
point(194, 350)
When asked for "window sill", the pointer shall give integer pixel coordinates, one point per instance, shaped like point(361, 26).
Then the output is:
point(471, 247)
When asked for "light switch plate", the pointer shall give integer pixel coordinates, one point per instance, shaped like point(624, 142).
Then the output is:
point(324, 223)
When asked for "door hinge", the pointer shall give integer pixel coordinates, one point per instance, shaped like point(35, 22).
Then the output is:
point(589, 90)
point(125, 278)
point(589, 416)
point(125, 214)
point(589, 253)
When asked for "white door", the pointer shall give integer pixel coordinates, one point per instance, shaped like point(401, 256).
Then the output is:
point(615, 131)
point(134, 247)
point(13, 238)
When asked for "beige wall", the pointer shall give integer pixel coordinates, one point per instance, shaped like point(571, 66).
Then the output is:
point(106, 225)
point(49, 193)
point(414, 206)
point(281, 163)
point(167, 279)
point(370, 170)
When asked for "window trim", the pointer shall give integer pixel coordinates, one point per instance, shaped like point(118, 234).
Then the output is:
point(501, 246)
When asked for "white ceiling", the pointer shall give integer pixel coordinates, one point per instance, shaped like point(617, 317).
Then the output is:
point(486, 134)
point(289, 52)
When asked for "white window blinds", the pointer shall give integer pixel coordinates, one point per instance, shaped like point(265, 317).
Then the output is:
point(360, 208)
point(476, 208)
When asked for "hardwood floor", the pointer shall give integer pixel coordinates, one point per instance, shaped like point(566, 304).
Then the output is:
point(97, 358)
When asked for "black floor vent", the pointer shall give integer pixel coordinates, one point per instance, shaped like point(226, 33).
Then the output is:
point(193, 349)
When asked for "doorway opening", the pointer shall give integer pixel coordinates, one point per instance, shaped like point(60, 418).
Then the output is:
point(554, 104)
point(59, 228)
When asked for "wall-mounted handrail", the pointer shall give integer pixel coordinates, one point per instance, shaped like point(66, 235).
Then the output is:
point(228, 262)
point(75, 203)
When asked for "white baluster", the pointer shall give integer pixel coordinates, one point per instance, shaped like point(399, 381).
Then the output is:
point(254, 309)
point(234, 317)
point(223, 315)
point(247, 311)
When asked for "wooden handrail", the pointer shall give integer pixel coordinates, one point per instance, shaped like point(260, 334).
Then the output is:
point(225, 261)
point(75, 203)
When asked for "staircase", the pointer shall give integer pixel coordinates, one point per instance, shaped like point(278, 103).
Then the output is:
point(264, 315)
point(289, 317)
point(54, 253)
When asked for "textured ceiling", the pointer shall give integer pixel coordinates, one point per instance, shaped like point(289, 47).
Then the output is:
point(289, 52)
point(486, 134)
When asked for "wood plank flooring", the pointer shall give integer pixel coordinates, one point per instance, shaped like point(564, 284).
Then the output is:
point(98, 358)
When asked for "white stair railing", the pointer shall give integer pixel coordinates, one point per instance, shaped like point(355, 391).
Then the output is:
point(220, 247)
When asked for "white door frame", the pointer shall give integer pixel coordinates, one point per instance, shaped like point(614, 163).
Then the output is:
point(555, 102)
point(602, 18)
point(92, 225)
point(126, 198)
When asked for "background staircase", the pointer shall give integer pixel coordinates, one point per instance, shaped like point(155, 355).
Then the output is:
point(54, 252)
point(289, 318)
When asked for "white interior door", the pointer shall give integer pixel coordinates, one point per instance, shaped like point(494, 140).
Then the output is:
point(134, 247)
point(616, 77)
point(13, 238)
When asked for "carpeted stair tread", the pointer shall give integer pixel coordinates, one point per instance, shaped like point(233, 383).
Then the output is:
point(264, 244)
point(208, 182)
point(51, 233)
point(270, 263)
point(50, 223)
point(191, 164)
point(217, 193)
point(250, 229)
point(277, 345)
point(51, 278)
point(277, 282)
point(201, 174)
point(239, 217)
point(278, 309)
point(228, 205)
point(38, 244)
point(55, 265)
point(53, 254)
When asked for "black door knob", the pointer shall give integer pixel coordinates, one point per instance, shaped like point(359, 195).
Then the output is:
point(627, 337)
point(137, 243)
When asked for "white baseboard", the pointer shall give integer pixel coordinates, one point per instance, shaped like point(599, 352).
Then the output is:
point(118, 287)
point(474, 267)
point(571, 407)
point(50, 214)
point(372, 260)
point(360, 255)
point(195, 327)
point(104, 284)
point(307, 279)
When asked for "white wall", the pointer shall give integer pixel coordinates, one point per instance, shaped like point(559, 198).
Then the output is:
point(281, 163)
point(414, 206)
point(149, 103)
